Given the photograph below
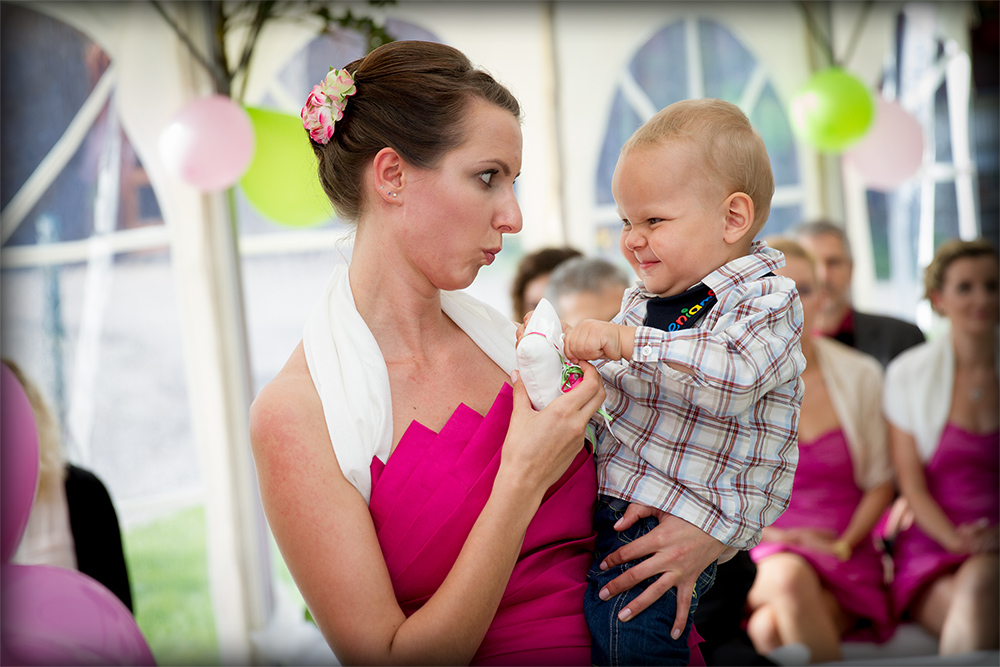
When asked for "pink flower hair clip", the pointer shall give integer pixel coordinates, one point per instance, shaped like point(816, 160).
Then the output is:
point(326, 104)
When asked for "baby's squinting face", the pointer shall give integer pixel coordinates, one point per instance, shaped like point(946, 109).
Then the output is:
point(673, 216)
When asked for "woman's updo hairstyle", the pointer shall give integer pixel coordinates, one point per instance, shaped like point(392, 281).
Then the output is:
point(412, 97)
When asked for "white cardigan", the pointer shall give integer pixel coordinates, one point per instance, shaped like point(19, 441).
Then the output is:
point(351, 378)
point(854, 382)
point(918, 389)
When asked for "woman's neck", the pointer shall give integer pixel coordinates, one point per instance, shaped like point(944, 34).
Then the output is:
point(974, 350)
point(399, 305)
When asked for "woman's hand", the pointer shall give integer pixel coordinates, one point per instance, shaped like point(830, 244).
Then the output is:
point(900, 518)
point(813, 539)
point(540, 445)
point(927, 514)
point(975, 538)
point(679, 550)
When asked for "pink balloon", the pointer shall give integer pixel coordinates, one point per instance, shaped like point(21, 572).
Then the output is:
point(209, 143)
point(892, 151)
point(55, 616)
point(18, 462)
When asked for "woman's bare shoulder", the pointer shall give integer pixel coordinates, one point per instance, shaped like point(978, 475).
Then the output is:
point(288, 407)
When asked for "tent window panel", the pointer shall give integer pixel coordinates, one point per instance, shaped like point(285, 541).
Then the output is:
point(726, 63)
point(878, 213)
point(66, 211)
point(987, 156)
point(48, 62)
point(781, 219)
point(103, 341)
point(942, 126)
point(945, 212)
point(771, 121)
point(900, 216)
point(659, 67)
point(278, 292)
point(623, 122)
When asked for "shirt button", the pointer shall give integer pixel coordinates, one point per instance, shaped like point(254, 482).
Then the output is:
point(647, 351)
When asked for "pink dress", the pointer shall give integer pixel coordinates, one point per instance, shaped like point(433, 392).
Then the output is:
point(424, 502)
point(963, 477)
point(825, 496)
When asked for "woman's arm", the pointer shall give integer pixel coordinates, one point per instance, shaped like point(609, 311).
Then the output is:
point(326, 535)
point(869, 510)
point(913, 486)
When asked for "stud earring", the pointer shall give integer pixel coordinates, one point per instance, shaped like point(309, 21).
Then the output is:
point(393, 194)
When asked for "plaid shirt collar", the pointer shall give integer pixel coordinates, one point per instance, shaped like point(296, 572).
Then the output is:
point(761, 260)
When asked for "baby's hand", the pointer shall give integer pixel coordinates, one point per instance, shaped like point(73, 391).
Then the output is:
point(594, 339)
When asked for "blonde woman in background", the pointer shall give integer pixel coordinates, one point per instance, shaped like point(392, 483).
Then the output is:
point(73, 523)
point(819, 577)
point(47, 538)
point(941, 402)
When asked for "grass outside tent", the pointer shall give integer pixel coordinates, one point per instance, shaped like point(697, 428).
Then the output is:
point(168, 570)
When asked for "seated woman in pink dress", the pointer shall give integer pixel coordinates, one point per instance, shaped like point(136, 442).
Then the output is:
point(819, 576)
point(941, 402)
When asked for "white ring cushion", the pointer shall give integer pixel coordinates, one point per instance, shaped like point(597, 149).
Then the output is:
point(540, 357)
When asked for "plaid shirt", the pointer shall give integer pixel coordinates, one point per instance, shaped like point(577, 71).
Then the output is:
point(717, 448)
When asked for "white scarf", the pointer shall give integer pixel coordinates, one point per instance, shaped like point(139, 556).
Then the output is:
point(351, 378)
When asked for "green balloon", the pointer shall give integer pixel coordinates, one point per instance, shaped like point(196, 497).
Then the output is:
point(282, 182)
point(833, 110)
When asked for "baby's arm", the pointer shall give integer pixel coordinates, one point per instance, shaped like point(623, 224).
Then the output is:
point(594, 339)
point(726, 370)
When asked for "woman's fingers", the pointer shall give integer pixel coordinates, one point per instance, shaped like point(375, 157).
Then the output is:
point(652, 593)
point(632, 576)
point(685, 592)
point(633, 513)
point(637, 548)
point(521, 398)
point(586, 397)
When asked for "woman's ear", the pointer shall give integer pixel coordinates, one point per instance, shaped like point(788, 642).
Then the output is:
point(739, 217)
point(389, 175)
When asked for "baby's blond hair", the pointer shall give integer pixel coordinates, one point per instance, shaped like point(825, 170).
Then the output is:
point(733, 150)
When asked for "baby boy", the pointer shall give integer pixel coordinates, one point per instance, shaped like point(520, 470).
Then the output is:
point(701, 368)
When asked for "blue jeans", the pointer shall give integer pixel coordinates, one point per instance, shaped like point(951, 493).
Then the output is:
point(645, 639)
